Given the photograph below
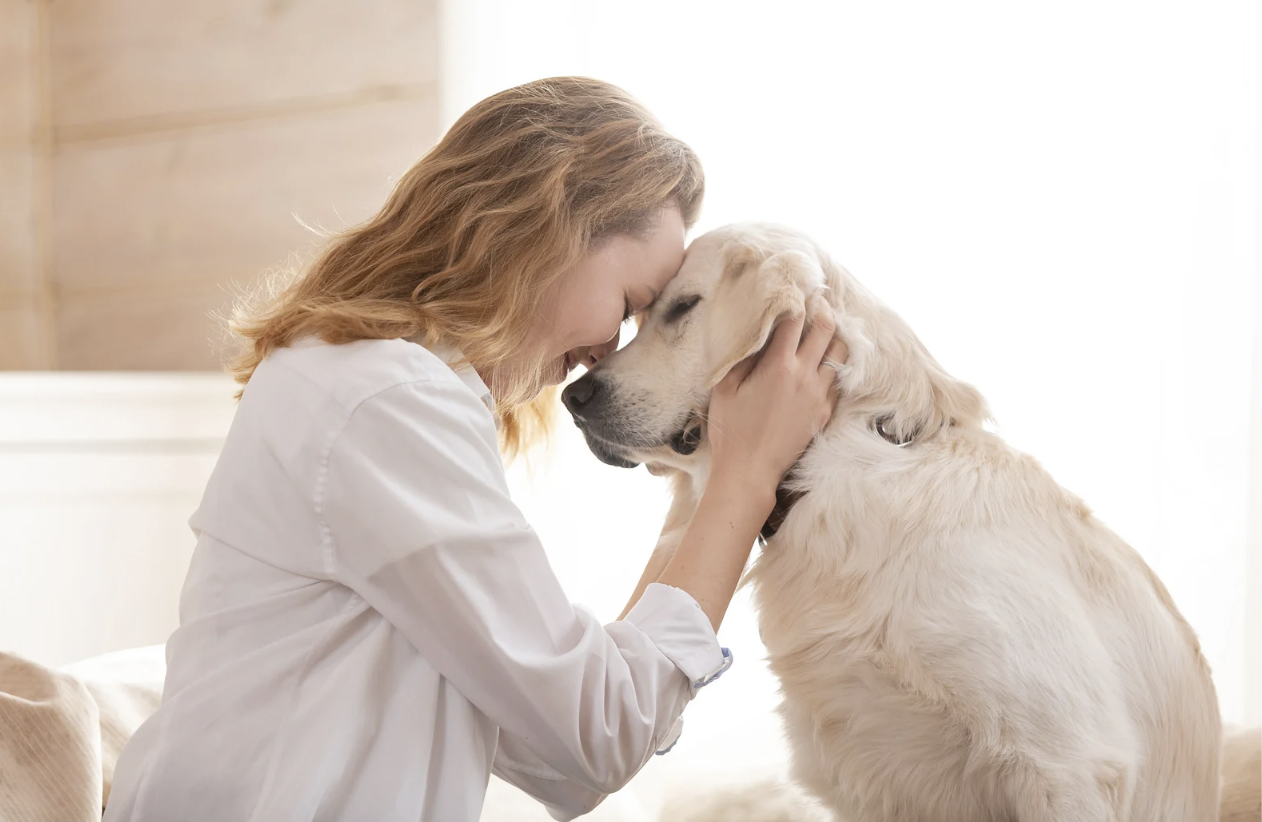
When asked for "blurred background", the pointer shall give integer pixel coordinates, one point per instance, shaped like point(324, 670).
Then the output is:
point(1064, 200)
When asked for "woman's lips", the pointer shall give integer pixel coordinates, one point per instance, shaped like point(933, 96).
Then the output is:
point(564, 365)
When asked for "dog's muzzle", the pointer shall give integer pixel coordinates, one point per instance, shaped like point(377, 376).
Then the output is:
point(587, 400)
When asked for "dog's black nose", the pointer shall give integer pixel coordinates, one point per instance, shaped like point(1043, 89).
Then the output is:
point(580, 394)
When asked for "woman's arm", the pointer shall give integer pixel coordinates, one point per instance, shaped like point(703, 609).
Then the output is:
point(713, 552)
point(522, 768)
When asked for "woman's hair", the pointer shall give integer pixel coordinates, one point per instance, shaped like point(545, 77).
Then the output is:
point(475, 235)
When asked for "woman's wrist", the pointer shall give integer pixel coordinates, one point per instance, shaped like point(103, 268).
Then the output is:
point(751, 494)
point(753, 491)
point(710, 558)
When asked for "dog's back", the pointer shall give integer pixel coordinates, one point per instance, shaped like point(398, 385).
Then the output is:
point(1172, 695)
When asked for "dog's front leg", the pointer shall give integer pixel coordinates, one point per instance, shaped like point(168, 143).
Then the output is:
point(682, 506)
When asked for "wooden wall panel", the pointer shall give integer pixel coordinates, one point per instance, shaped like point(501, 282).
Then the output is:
point(221, 203)
point(143, 330)
point(148, 61)
point(24, 305)
point(156, 156)
point(21, 334)
point(18, 272)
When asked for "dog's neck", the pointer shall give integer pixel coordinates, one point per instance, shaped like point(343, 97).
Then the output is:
point(787, 496)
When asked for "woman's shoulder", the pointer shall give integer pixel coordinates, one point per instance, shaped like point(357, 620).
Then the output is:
point(349, 374)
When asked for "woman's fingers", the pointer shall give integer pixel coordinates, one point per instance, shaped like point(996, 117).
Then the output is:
point(837, 354)
point(814, 347)
point(785, 339)
point(739, 372)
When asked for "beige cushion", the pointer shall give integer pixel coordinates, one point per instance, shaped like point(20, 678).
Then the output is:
point(50, 745)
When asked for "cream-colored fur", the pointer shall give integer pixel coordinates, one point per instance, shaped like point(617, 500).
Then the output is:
point(1242, 776)
point(957, 638)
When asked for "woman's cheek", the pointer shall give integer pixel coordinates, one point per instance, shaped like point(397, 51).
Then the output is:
point(599, 333)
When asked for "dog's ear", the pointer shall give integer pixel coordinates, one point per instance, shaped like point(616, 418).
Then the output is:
point(891, 372)
point(752, 297)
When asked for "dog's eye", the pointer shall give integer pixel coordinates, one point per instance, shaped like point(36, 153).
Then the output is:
point(681, 307)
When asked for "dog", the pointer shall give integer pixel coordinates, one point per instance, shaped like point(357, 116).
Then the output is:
point(956, 637)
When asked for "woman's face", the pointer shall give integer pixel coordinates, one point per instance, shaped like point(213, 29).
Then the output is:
point(620, 278)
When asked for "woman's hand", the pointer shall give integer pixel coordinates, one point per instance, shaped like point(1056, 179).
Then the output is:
point(768, 408)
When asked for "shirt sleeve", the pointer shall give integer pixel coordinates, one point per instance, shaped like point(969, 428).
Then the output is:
point(519, 766)
point(418, 521)
point(564, 799)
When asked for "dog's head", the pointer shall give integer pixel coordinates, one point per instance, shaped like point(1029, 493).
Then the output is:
point(647, 402)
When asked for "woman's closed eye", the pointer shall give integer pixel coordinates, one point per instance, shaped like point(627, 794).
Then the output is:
point(630, 310)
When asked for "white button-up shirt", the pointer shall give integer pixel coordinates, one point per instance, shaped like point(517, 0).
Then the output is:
point(369, 627)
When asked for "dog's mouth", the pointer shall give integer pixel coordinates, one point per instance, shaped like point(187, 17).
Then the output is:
point(688, 439)
point(607, 453)
point(685, 442)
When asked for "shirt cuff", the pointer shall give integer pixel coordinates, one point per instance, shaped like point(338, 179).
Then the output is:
point(681, 631)
point(671, 738)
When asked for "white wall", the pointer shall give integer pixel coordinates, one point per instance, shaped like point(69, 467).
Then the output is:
point(98, 476)
point(1060, 198)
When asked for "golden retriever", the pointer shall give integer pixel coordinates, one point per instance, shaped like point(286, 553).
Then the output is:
point(957, 638)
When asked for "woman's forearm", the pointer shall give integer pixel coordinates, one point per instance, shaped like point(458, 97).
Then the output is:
point(657, 563)
point(712, 554)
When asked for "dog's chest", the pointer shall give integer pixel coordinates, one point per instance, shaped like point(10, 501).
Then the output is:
point(817, 587)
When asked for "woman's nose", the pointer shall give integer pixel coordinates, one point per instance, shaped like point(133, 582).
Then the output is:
point(596, 353)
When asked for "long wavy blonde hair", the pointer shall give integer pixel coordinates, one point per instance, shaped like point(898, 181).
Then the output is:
point(477, 233)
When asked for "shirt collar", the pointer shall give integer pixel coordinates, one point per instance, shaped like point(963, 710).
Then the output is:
point(466, 372)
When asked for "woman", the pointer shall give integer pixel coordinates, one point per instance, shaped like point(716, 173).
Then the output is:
point(369, 628)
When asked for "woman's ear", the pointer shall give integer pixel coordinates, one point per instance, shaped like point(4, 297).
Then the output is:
point(751, 298)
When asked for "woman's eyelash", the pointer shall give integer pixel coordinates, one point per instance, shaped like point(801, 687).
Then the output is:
point(627, 312)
